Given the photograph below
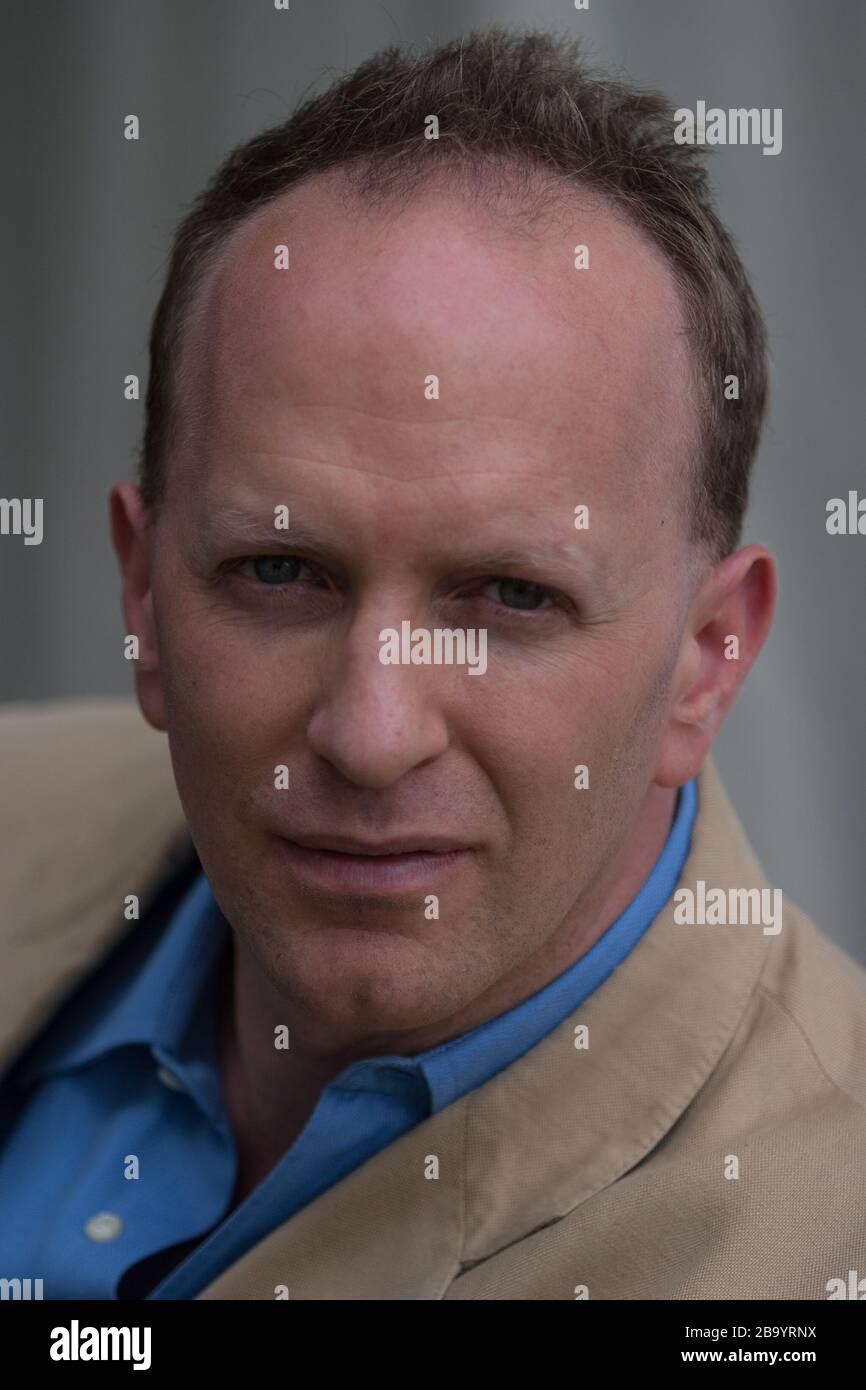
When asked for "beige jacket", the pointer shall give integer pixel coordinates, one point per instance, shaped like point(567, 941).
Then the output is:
point(593, 1172)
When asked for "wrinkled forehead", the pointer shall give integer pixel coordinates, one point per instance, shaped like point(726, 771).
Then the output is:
point(567, 325)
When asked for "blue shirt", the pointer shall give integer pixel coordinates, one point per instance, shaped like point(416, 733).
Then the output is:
point(117, 1143)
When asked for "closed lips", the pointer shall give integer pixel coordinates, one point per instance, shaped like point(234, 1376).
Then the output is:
point(407, 844)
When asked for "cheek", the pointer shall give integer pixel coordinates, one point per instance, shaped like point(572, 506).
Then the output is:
point(229, 681)
point(531, 729)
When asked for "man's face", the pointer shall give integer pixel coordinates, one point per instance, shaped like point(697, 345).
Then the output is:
point(558, 388)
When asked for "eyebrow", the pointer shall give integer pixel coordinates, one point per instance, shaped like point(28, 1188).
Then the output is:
point(230, 526)
point(577, 565)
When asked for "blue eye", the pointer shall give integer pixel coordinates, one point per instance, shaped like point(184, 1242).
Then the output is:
point(276, 569)
point(520, 594)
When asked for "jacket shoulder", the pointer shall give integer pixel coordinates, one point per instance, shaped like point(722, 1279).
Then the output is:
point(34, 729)
point(87, 785)
point(74, 744)
point(822, 991)
point(90, 815)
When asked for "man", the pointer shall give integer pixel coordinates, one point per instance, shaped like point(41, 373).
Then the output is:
point(472, 987)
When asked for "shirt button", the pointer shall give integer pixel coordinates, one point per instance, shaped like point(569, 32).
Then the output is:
point(104, 1226)
point(169, 1079)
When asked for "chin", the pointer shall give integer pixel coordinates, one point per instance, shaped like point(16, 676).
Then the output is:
point(362, 982)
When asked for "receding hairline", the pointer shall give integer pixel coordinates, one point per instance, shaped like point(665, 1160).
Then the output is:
point(527, 200)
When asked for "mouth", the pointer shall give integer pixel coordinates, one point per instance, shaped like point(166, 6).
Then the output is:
point(400, 866)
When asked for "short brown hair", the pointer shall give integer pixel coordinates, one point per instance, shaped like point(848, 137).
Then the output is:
point(529, 100)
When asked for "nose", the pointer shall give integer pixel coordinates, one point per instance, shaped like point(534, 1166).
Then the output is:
point(374, 722)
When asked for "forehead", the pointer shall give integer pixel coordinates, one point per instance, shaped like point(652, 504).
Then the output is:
point(540, 365)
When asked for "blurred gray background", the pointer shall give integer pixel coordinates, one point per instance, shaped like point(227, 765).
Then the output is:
point(85, 236)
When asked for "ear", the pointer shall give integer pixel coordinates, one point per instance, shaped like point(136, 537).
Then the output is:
point(132, 535)
point(728, 621)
